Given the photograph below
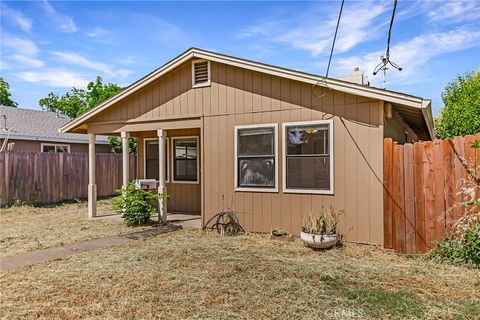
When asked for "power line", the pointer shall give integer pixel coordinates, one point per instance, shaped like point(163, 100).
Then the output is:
point(385, 60)
point(331, 50)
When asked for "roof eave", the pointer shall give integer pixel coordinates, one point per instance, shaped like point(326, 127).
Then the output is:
point(344, 86)
point(427, 116)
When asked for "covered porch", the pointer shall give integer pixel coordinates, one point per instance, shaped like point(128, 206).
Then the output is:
point(170, 155)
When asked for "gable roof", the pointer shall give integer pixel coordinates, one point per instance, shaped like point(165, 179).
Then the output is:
point(28, 124)
point(417, 103)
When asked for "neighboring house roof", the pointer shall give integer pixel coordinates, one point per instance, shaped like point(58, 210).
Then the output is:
point(420, 106)
point(28, 124)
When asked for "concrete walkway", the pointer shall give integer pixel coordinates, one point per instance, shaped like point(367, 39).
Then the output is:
point(29, 258)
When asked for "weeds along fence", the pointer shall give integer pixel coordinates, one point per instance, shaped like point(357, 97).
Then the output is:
point(52, 177)
point(422, 190)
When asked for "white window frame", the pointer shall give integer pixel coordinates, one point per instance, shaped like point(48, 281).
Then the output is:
point(54, 145)
point(204, 84)
point(167, 174)
point(330, 151)
point(235, 159)
point(173, 159)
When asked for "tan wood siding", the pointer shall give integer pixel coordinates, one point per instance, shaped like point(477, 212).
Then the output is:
point(183, 197)
point(238, 97)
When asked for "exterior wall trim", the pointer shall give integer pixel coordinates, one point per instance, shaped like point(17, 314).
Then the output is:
point(173, 159)
point(235, 166)
point(200, 85)
point(330, 150)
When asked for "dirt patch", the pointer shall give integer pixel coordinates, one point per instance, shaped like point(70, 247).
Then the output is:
point(198, 274)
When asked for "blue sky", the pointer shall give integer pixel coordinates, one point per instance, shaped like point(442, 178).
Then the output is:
point(52, 46)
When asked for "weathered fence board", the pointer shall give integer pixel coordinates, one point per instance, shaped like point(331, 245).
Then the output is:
point(53, 177)
point(421, 190)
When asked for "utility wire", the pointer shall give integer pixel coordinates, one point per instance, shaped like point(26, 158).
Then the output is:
point(331, 51)
point(390, 28)
point(386, 59)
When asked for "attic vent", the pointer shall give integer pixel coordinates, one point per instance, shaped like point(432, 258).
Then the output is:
point(200, 73)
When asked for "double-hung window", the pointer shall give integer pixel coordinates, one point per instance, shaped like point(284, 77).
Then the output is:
point(256, 158)
point(151, 159)
point(185, 160)
point(308, 161)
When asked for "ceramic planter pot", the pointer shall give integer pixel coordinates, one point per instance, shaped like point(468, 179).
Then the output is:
point(318, 241)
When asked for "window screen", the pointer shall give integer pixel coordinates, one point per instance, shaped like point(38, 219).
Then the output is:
point(307, 157)
point(185, 164)
point(256, 157)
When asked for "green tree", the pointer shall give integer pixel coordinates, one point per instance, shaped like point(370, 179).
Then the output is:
point(5, 95)
point(461, 114)
point(116, 145)
point(78, 101)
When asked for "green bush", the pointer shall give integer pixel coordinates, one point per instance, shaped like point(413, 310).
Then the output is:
point(135, 204)
point(461, 251)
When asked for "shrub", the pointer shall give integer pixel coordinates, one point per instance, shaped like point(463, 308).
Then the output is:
point(462, 245)
point(135, 204)
point(324, 223)
point(461, 251)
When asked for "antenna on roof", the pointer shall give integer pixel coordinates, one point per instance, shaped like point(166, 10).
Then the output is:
point(385, 60)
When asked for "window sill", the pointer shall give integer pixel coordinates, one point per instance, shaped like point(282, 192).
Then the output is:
point(309, 191)
point(185, 182)
point(262, 190)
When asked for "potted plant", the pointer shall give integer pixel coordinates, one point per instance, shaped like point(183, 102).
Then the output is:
point(320, 231)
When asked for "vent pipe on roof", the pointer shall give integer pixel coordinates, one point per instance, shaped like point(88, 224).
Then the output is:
point(357, 76)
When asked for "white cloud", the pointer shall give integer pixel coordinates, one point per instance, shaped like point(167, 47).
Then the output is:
point(127, 60)
point(62, 22)
point(455, 10)
point(97, 32)
point(413, 55)
point(27, 61)
point(314, 32)
point(79, 60)
point(16, 17)
point(55, 78)
point(20, 46)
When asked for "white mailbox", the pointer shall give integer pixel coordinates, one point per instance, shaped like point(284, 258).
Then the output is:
point(146, 184)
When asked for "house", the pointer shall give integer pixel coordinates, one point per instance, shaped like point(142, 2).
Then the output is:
point(272, 144)
point(37, 131)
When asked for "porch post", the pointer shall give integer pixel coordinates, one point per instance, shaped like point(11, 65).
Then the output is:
point(92, 187)
point(125, 161)
point(162, 205)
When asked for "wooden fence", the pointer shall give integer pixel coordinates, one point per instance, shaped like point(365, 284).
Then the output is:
point(421, 190)
point(52, 177)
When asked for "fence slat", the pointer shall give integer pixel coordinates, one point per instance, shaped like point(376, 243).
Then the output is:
point(418, 154)
point(429, 195)
point(399, 198)
point(387, 192)
point(50, 177)
point(409, 198)
point(459, 176)
point(439, 189)
point(449, 183)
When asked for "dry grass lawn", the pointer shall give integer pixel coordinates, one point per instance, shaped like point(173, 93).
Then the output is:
point(26, 228)
point(198, 274)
